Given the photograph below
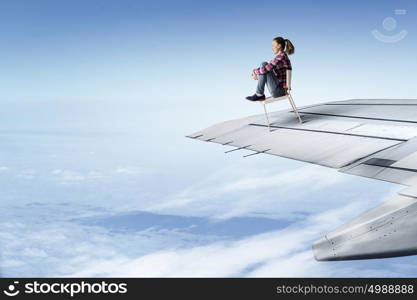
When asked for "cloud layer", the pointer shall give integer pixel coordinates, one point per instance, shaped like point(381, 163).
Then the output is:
point(108, 216)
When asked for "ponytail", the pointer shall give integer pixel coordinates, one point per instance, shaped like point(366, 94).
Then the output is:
point(286, 45)
point(289, 47)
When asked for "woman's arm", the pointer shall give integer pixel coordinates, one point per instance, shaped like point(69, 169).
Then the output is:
point(269, 66)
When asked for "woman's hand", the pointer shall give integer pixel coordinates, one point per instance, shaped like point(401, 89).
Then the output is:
point(254, 76)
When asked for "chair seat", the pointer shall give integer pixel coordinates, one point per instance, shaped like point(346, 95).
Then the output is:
point(272, 99)
point(287, 96)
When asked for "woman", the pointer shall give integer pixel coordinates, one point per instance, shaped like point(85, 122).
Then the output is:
point(274, 73)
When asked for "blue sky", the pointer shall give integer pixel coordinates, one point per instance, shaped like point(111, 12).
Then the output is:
point(97, 96)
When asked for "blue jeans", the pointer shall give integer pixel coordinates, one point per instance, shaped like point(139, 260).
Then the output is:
point(273, 84)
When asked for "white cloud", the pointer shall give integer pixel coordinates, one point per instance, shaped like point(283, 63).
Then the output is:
point(282, 253)
point(286, 180)
point(67, 176)
point(4, 169)
point(51, 235)
point(246, 189)
point(26, 174)
point(95, 175)
point(129, 171)
point(97, 251)
point(71, 176)
point(45, 234)
point(299, 264)
point(34, 252)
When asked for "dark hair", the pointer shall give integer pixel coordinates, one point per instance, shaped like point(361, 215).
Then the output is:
point(286, 45)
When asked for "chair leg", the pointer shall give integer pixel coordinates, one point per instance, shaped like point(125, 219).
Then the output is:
point(295, 108)
point(266, 116)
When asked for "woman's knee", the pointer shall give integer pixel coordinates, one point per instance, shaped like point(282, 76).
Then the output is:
point(263, 64)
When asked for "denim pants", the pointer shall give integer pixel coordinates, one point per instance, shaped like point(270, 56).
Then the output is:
point(272, 82)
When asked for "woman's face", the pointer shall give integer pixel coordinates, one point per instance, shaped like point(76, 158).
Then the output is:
point(275, 47)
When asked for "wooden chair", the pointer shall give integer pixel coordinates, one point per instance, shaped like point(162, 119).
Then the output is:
point(287, 96)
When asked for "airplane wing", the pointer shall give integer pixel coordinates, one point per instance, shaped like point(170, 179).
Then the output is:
point(375, 138)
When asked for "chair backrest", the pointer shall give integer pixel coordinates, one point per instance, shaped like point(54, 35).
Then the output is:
point(289, 73)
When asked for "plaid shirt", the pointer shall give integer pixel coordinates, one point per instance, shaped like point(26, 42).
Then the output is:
point(279, 66)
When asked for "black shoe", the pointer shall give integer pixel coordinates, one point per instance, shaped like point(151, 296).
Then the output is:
point(255, 97)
